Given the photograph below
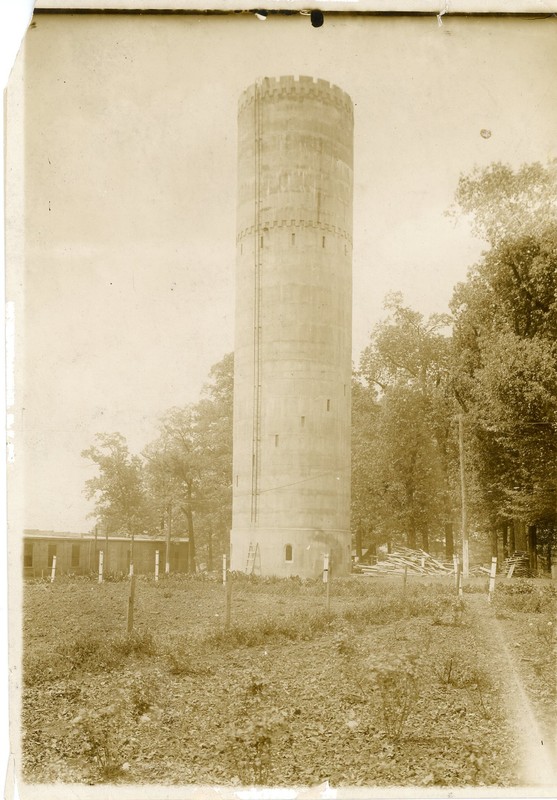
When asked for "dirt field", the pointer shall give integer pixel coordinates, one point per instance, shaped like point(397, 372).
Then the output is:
point(411, 688)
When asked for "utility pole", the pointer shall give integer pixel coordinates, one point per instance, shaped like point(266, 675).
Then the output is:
point(464, 515)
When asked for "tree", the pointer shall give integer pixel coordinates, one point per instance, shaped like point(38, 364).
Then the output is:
point(504, 204)
point(118, 492)
point(365, 409)
point(214, 432)
point(402, 459)
point(515, 400)
point(189, 465)
point(504, 343)
point(173, 474)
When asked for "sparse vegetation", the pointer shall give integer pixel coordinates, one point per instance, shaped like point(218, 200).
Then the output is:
point(373, 693)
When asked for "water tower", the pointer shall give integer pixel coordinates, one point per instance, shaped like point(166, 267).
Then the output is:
point(292, 371)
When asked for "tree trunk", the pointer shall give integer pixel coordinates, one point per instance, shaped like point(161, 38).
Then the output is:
point(505, 532)
point(449, 541)
point(411, 539)
point(494, 539)
point(192, 559)
point(532, 541)
point(512, 539)
point(425, 541)
point(359, 542)
point(168, 538)
point(210, 552)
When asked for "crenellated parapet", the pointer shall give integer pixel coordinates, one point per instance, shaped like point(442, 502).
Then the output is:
point(302, 87)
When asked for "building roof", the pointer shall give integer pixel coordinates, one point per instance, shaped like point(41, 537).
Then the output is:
point(38, 534)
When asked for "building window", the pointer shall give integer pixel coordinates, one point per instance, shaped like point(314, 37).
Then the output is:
point(51, 553)
point(28, 554)
point(323, 242)
point(328, 405)
point(75, 555)
point(302, 421)
point(276, 439)
point(293, 238)
point(288, 553)
point(261, 242)
point(236, 480)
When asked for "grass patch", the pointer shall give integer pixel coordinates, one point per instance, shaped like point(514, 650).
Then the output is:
point(526, 596)
point(92, 652)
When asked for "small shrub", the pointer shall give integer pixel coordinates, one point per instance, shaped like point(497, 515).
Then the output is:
point(458, 673)
point(143, 695)
point(447, 610)
point(545, 630)
point(395, 681)
point(92, 652)
point(102, 741)
point(249, 747)
point(255, 732)
point(140, 643)
point(40, 668)
point(183, 657)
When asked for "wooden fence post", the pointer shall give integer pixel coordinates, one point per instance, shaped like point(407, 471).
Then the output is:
point(156, 565)
point(327, 579)
point(228, 601)
point(459, 579)
point(53, 572)
point(131, 599)
point(101, 564)
point(492, 578)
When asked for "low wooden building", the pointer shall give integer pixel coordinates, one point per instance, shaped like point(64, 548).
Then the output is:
point(78, 554)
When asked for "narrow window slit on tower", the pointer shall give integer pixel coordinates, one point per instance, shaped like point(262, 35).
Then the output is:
point(261, 241)
point(236, 480)
point(288, 552)
point(302, 421)
point(293, 238)
point(276, 439)
point(323, 242)
point(328, 405)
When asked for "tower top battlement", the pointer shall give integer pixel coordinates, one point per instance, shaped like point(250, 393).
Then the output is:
point(301, 86)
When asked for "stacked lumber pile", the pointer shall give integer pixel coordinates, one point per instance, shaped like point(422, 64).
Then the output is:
point(517, 566)
point(415, 562)
point(478, 570)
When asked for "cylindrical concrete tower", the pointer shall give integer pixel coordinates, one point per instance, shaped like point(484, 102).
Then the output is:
point(291, 472)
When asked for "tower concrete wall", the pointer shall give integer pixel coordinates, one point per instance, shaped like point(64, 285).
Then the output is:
point(291, 462)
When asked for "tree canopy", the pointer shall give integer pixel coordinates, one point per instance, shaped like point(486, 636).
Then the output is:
point(181, 484)
point(493, 360)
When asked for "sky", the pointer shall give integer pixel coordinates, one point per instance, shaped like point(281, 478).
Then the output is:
point(125, 296)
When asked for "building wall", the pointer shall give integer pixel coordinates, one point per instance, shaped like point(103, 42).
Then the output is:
point(291, 465)
point(79, 556)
